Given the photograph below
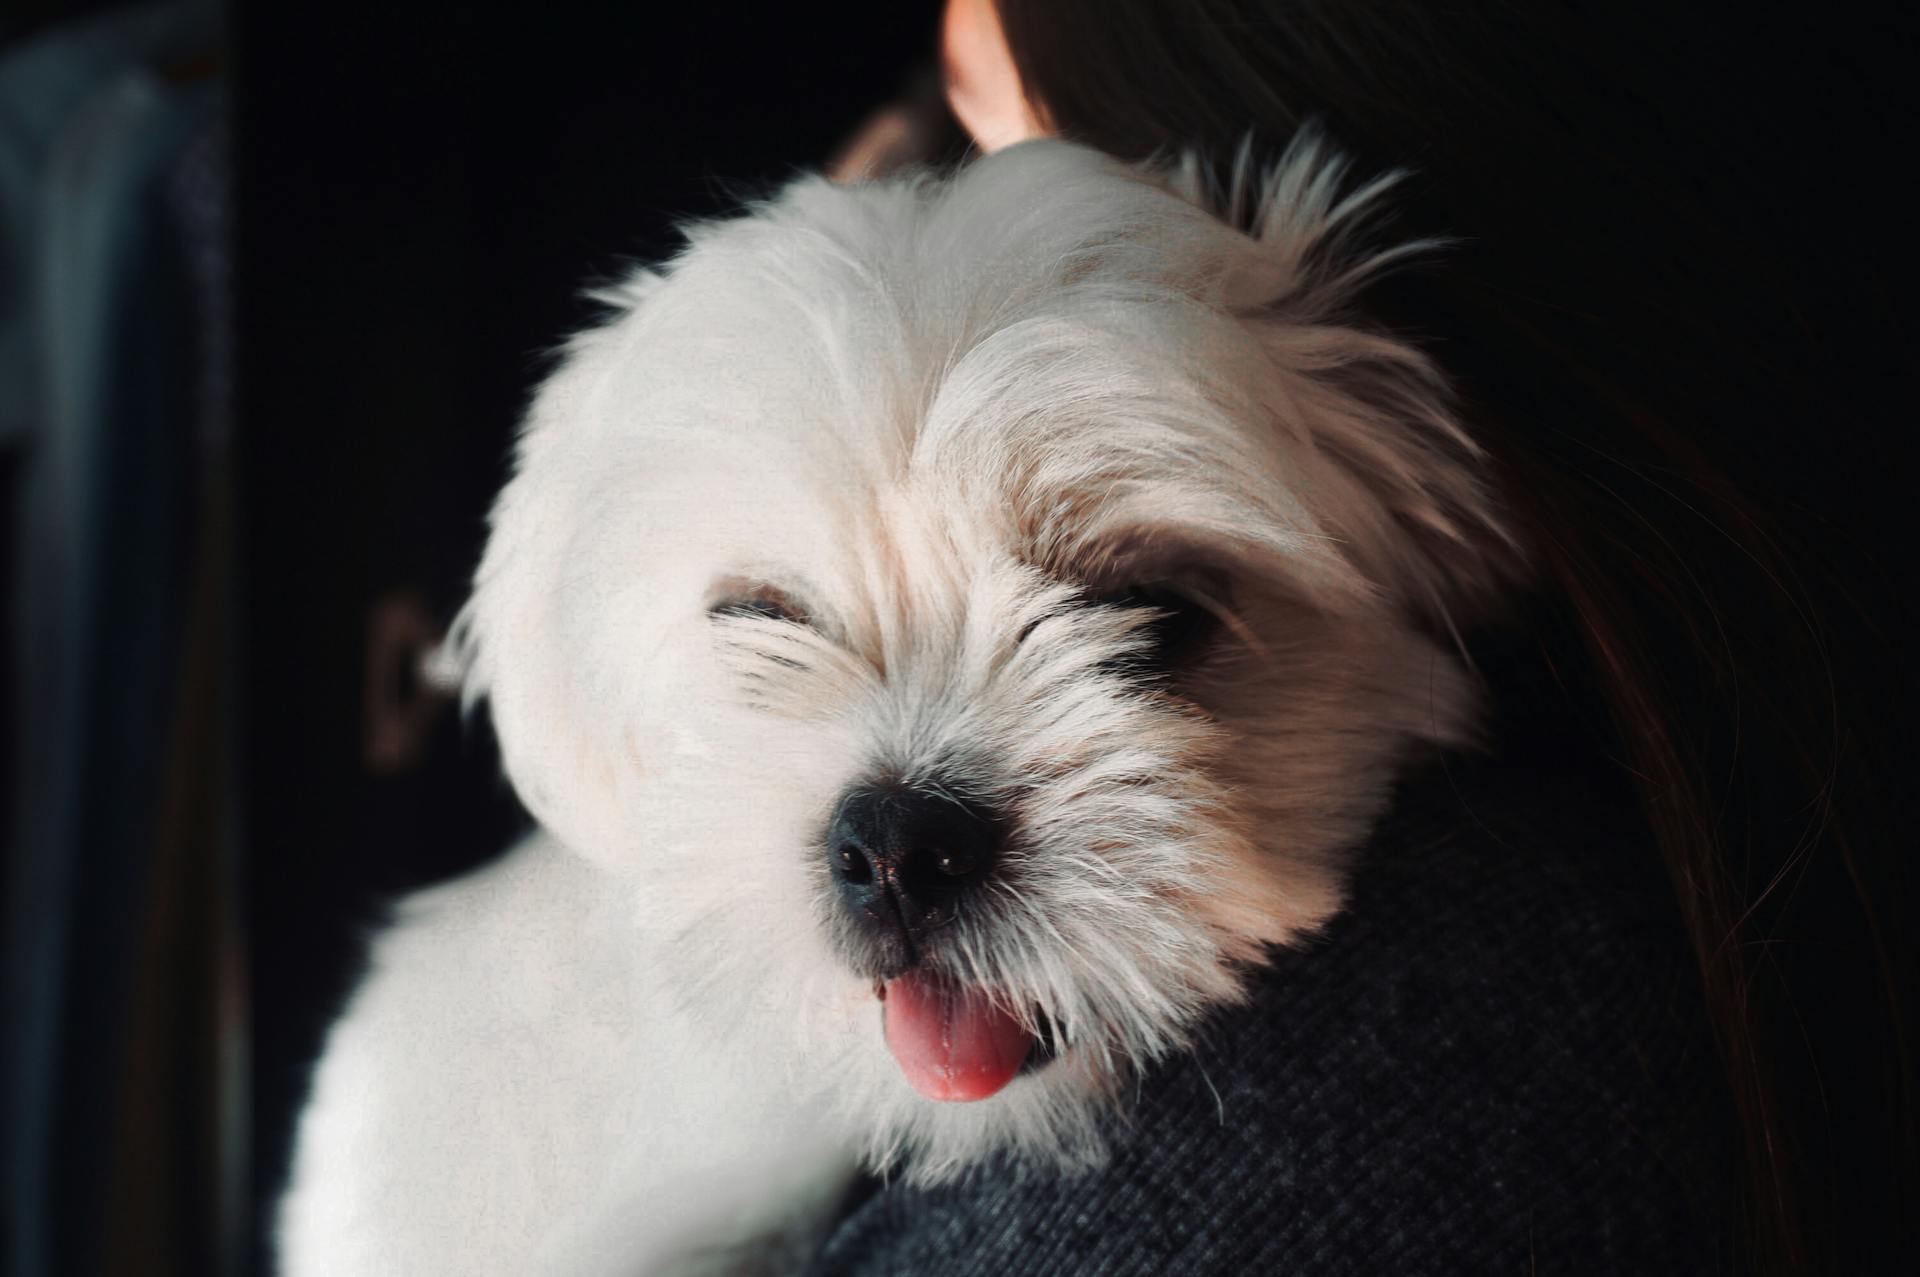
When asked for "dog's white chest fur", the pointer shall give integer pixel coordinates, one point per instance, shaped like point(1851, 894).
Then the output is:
point(1011, 593)
point(516, 1090)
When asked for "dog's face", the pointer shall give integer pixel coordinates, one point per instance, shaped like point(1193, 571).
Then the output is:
point(975, 615)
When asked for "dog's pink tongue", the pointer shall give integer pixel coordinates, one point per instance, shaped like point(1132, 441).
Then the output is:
point(952, 1043)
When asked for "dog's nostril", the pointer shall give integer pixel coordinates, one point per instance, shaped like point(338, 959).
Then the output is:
point(956, 864)
point(853, 864)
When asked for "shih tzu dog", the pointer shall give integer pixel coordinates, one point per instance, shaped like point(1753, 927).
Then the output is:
point(948, 628)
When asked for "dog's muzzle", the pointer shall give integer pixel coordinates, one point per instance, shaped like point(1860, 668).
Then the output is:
point(904, 859)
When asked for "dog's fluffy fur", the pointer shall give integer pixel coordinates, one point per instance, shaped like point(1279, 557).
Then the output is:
point(938, 419)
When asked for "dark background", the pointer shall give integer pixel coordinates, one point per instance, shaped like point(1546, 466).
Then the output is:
point(418, 195)
point(423, 193)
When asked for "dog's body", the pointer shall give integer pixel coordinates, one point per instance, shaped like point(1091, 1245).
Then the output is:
point(949, 628)
point(516, 1091)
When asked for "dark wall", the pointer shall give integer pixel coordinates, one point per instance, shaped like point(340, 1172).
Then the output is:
point(423, 191)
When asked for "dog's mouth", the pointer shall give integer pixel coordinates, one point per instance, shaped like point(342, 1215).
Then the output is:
point(954, 1042)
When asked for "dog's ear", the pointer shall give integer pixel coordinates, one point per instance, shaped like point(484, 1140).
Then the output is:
point(511, 643)
point(1413, 497)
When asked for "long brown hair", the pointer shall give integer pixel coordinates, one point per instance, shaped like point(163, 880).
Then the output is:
point(1671, 313)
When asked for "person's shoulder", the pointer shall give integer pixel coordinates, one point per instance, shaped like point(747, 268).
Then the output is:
point(1495, 1057)
point(1505, 892)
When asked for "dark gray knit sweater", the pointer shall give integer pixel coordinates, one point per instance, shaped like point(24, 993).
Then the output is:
point(1492, 1062)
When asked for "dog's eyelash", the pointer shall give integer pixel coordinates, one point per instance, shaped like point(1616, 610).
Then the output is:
point(752, 608)
point(762, 603)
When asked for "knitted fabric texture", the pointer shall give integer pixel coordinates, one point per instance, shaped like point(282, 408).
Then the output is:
point(1492, 1062)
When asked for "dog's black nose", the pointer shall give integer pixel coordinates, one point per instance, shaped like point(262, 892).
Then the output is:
point(903, 858)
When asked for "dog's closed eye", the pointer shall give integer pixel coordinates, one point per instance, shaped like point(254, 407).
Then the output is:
point(761, 601)
point(1181, 625)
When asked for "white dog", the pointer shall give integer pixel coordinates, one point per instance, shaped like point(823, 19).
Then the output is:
point(947, 628)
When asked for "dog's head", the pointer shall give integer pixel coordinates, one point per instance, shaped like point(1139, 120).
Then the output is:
point(976, 613)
